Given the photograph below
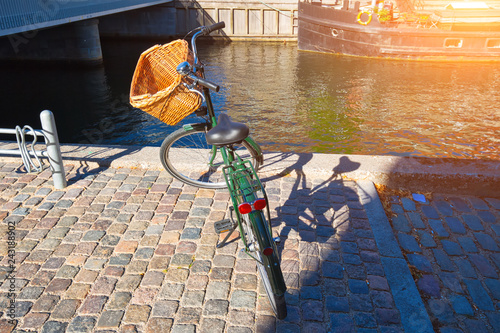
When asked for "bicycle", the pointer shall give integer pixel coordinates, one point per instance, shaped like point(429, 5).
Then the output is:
point(221, 144)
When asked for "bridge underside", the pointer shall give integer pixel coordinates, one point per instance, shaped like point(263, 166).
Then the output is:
point(29, 15)
point(58, 30)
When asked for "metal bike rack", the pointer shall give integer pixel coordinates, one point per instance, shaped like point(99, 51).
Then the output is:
point(53, 152)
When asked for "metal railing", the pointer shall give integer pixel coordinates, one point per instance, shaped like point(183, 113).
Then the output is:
point(53, 152)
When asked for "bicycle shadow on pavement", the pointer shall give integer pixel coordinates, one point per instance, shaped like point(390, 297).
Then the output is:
point(321, 221)
point(310, 206)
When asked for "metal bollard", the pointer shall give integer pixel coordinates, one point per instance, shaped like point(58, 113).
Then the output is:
point(53, 149)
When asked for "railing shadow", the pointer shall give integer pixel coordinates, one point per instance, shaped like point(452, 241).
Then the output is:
point(95, 158)
point(87, 159)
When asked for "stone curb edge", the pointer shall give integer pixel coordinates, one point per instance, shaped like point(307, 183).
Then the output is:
point(459, 176)
point(414, 317)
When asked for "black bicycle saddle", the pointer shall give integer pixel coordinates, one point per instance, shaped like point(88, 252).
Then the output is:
point(227, 132)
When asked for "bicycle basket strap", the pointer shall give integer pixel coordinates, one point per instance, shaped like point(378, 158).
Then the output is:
point(156, 86)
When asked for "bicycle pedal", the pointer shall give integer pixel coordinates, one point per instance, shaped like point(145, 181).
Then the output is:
point(277, 240)
point(223, 226)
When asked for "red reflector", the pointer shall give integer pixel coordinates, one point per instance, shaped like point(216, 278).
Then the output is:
point(245, 208)
point(259, 204)
point(268, 251)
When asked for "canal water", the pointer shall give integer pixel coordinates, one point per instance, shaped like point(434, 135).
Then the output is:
point(293, 101)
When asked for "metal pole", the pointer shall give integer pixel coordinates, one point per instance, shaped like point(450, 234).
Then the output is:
point(18, 152)
point(53, 149)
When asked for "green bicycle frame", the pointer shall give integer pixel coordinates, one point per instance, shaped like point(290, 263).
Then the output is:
point(213, 122)
point(244, 186)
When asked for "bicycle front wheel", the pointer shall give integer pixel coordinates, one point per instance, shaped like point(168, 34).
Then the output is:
point(271, 275)
point(186, 155)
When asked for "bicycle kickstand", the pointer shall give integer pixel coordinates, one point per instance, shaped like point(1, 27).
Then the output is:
point(226, 225)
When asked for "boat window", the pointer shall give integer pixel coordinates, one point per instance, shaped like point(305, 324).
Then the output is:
point(453, 42)
point(493, 43)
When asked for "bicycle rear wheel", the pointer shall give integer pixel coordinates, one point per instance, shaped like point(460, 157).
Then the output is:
point(186, 155)
point(270, 277)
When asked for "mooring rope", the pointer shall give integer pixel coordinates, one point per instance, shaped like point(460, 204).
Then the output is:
point(274, 8)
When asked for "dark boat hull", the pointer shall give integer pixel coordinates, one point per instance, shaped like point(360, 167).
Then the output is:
point(330, 30)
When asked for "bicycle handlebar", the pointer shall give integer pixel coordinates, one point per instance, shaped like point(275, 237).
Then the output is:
point(217, 26)
point(203, 32)
point(205, 83)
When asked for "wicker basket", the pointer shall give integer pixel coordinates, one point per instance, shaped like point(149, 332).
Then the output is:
point(156, 85)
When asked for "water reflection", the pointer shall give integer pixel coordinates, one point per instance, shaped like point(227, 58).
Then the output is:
point(312, 102)
point(389, 107)
point(293, 101)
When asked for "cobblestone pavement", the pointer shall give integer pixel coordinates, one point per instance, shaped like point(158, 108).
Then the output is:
point(453, 245)
point(131, 250)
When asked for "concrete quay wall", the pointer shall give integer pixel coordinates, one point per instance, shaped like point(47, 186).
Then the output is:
point(453, 176)
point(275, 21)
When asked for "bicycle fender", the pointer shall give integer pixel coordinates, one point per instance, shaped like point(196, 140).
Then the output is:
point(256, 147)
point(271, 263)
